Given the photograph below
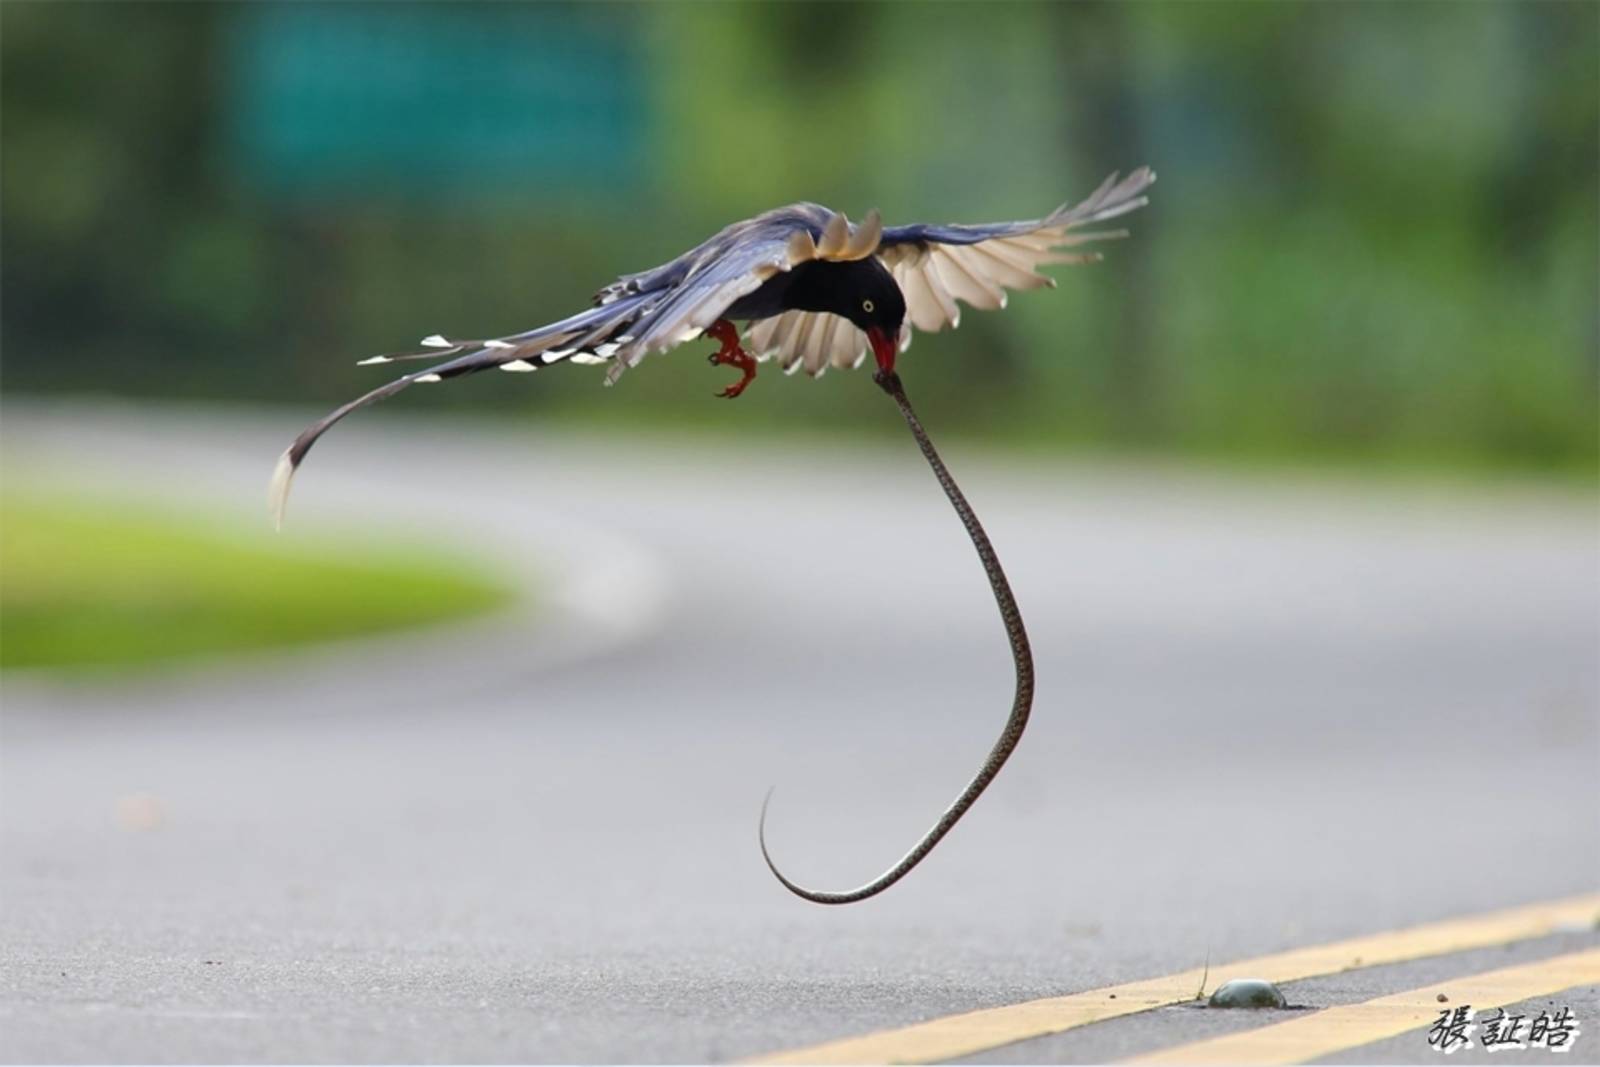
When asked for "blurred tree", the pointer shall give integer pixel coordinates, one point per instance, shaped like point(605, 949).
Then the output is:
point(1375, 234)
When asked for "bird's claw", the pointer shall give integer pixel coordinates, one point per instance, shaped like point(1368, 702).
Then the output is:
point(731, 354)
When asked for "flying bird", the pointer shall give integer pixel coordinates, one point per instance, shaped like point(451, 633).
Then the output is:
point(814, 291)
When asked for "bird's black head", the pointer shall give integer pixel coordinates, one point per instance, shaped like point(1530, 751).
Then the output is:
point(880, 310)
point(860, 290)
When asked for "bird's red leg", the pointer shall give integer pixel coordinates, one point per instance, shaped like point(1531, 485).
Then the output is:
point(731, 354)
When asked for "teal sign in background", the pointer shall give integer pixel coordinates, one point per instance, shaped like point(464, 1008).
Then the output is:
point(423, 99)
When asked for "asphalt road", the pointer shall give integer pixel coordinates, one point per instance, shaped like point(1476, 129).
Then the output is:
point(1269, 714)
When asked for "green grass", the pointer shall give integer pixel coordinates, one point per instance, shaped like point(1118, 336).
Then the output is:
point(85, 584)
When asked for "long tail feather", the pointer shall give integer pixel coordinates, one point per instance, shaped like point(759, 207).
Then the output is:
point(289, 462)
point(582, 338)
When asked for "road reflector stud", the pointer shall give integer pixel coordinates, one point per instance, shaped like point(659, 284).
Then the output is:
point(1248, 993)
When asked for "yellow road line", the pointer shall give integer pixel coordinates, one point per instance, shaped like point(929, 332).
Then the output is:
point(976, 1031)
point(1350, 1025)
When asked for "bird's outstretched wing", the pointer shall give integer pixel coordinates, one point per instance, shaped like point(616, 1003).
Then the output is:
point(936, 266)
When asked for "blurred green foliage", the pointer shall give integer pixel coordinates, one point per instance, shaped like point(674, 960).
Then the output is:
point(84, 586)
point(1374, 239)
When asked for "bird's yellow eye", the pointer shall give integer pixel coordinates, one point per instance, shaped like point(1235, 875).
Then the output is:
point(866, 305)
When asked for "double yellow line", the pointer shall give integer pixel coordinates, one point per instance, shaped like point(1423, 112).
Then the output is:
point(1294, 1041)
point(1332, 1030)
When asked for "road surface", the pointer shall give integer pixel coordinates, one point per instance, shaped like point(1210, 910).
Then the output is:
point(1269, 714)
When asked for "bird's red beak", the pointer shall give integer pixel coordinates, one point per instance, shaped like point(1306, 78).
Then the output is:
point(883, 347)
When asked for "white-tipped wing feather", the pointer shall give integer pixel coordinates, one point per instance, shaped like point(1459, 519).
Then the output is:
point(807, 340)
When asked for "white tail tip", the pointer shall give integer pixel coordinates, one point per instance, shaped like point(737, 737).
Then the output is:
point(434, 340)
point(374, 359)
point(278, 490)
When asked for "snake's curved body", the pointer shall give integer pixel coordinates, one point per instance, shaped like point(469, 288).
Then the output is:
point(1021, 704)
